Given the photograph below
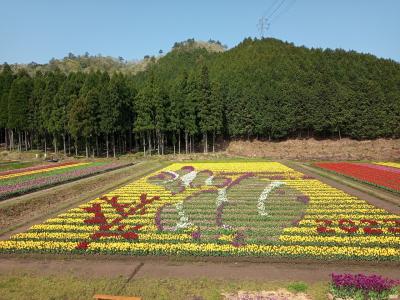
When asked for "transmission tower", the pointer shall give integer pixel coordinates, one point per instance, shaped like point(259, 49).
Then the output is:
point(263, 26)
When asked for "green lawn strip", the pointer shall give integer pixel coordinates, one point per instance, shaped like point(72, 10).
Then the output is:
point(29, 286)
point(6, 166)
point(13, 180)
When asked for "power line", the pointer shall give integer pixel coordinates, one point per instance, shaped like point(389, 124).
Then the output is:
point(276, 9)
point(264, 22)
point(286, 9)
point(270, 7)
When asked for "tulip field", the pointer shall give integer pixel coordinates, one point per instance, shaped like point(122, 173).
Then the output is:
point(380, 174)
point(253, 209)
point(20, 181)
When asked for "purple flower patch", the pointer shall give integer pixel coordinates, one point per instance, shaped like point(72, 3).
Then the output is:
point(366, 283)
point(304, 199)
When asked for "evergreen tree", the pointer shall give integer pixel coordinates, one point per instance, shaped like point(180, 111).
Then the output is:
point(6, 80)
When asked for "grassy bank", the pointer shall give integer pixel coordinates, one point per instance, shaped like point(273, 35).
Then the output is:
point(30, 286)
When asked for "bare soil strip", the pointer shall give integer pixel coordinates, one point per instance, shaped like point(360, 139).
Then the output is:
point(18, 214)
point(311, 149)
point(374, 196)
point(150, 267)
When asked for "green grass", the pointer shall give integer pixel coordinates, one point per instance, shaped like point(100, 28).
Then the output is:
point(5, 166)
point(29, 286)
point(298, 287)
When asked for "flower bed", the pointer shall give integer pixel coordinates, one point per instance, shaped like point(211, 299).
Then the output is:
point(385, 177)
point(389, 164)
point(262, 209)
point(31, 179)
point(362, 286)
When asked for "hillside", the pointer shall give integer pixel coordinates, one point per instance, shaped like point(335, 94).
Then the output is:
point(198, 93)
point(92, 63)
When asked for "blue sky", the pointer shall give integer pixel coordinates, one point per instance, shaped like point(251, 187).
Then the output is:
point(39, 30)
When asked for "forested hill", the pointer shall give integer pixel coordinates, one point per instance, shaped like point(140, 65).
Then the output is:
point(190, 96)
point(91, 63)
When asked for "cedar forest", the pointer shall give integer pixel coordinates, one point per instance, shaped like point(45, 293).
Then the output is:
point(191, 99)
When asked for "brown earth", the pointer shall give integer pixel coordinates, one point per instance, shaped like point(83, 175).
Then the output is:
point(164, 267)
point(280, 294)
point(311, 149)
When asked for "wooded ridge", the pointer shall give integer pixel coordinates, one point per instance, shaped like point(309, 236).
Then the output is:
point(184, 100)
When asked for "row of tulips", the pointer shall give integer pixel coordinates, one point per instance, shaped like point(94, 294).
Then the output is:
point(383, 175)
point(213, 209)
point(34, 180)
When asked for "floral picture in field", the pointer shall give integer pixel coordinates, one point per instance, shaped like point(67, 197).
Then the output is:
point(221, 209)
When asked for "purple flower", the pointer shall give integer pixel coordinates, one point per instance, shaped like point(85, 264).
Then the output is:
point(363, 282)
point(196, 235)
point(187, 168)
point(239, 239)
point(303, 198)
point(297, 221)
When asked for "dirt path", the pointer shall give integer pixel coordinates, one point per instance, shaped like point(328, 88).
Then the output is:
point(162, 268)
point(391, 206)
point(18, 214)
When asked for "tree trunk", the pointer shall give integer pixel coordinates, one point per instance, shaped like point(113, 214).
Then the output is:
point(205, 137)
point(158, 143)
point(179, 142)
point(86, 148)
point(26, 141)
point(76, 146)
point(45, 146)
point(97, 146)
point(186, 142)
point(130, 140)
point(19, 141)
point(113, 140)
point(144, 144)
point(340, 136)
point(162, 143)
point(107, 145)
point(5, 138)
point(149, 136)
point(135, 143)
point(214, 141)
point(174, 142)
point(69, 145)
point(55, 144)
point(64, 145)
